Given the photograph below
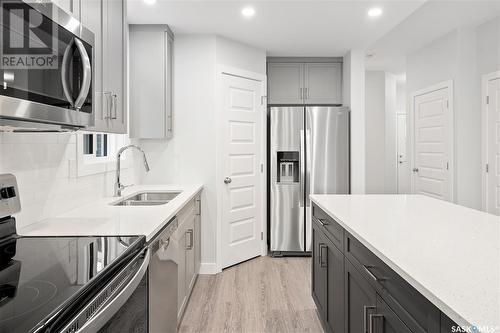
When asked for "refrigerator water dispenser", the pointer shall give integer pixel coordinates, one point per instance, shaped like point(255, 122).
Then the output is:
point(288, 167)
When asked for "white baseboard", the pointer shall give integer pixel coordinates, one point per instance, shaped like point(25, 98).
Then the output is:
point(209, 268)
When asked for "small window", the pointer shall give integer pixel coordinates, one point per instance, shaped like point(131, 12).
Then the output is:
point(96, 152)
point(96, 145)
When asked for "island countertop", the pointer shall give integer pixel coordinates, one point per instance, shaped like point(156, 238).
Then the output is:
point(449, 253)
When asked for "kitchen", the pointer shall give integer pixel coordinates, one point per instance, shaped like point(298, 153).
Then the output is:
point(289, 159)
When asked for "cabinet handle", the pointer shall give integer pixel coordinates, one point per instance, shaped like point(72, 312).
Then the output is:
point(114, 102)
point(198, 201)
point(372, 317)
point(365, 316)
point(323, 222)
point(190, 246)
point(107, 94)
point(306, 92)
point(369, 272)
point(301, 92)
point(321, 262)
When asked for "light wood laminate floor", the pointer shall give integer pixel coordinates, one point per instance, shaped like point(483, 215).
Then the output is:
point(261, 295)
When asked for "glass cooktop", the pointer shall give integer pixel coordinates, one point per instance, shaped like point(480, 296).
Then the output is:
point(40, 276)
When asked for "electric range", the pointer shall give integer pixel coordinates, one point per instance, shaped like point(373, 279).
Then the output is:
point(65, 284)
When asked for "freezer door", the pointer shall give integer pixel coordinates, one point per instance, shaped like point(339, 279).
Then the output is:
point(327, 155)
point(287, 178)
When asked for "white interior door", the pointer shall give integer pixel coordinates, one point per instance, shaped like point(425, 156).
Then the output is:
point(493, 147)
point(433, 144)
point(403, 165)
point(241, 158)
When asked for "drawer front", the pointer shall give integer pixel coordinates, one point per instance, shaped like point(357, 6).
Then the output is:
point(415, 310)
point(334, 231)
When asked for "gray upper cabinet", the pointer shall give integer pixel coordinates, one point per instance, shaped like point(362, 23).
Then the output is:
point(106, 19)
point(151, 76)
point(323, 83)
point(285, 83)
point(304, 83)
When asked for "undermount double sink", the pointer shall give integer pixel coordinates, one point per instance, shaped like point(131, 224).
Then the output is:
point(147, 199)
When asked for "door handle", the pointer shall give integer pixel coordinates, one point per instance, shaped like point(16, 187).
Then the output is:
point(365, 316)
point(415, 170)
point(87, 75)
point(372, 317)
point(64, 69)
point(227, 180)
point(302, 168)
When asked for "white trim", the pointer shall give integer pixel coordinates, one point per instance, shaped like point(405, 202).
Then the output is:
point(219, 93)
point(451, 121)
point(484, 138)
point(209, 268)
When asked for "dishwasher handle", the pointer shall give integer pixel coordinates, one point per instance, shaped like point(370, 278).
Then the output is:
point(109, 310)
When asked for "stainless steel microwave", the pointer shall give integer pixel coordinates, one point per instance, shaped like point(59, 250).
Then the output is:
point(46, 68)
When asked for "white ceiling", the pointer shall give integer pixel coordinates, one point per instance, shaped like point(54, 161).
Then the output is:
point(431, 21)
point(282, 28)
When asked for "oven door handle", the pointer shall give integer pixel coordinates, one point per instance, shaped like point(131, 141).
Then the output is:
point(108, 311)
point(87, 74)
point(64, 73)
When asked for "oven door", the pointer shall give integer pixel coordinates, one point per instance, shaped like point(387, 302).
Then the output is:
point(46, 66)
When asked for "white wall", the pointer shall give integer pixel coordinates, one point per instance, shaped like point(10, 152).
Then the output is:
point(391, 145)
point(354, 97)
point(375, 131)
point(381, 139)
point(191, 155)
point(45, 166)
point(462, 55)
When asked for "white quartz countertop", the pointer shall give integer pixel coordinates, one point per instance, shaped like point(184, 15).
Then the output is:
point(100, 218)
point(449, 253)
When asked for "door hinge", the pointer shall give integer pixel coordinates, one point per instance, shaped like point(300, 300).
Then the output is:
point(487, 169)
point(261, 235)
point(447, 165)
point(447, 103)
point(487, 99)
point(262, 100)
point(261, 168)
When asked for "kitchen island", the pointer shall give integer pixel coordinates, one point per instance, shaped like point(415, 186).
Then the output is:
point(408, 263)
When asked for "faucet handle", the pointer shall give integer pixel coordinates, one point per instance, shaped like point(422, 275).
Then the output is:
point(125, 186)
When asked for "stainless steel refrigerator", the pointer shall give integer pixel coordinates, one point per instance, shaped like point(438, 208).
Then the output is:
point(309, 154)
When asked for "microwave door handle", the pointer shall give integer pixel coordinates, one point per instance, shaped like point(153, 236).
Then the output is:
point(87, 75)
point(108, 311)
point(64, 73)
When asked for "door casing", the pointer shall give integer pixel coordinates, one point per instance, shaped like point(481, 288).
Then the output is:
point(485, 79)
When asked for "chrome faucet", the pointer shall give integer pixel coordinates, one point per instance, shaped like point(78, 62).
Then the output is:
point(119, 187)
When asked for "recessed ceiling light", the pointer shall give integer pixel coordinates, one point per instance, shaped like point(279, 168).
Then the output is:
point(248, 12)
point(149, 2)
point(375, 12)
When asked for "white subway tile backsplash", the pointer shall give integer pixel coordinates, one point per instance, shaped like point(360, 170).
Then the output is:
point(45, 165)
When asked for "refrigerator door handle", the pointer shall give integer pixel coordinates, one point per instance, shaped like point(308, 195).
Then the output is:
point(308, 166)
point(302, 169)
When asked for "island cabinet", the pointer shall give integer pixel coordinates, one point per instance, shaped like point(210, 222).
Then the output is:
point(356, 292)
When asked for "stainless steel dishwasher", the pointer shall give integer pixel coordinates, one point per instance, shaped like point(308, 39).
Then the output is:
point(163, 282)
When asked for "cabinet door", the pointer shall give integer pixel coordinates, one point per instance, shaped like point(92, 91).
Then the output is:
point(190, 254)
point(319, 271)
point(323, 83)
point(170, 84)
point(335, 307)
point(285, 83)
point(180, 241)
point(360, 300)
point(385, 320)
point(91, 17)
point(197, 237)
point(114, 60)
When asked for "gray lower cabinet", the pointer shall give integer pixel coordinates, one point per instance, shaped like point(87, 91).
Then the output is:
point(355, 292)
point(328, 280)
point(187, 243)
